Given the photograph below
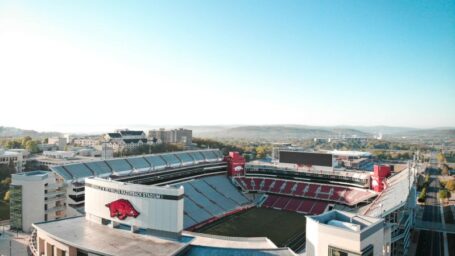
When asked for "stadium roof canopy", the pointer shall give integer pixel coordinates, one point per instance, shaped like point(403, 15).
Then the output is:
point(135, 164)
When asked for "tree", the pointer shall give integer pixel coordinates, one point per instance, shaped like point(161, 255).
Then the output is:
point(261, 152)
point(32, 146)
point(440, 157)
point(443, 194)
point(450, 185)
point(6, 181)
point(445, 169)
point(7, 196)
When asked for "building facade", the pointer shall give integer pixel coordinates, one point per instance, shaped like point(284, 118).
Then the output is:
point(175, 136)
point(15, 157)
point(36, 188)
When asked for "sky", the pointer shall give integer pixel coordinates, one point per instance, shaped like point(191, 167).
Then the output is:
point(98, 65)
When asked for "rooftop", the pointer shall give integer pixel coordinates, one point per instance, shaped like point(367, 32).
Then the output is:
point(33, 173)
point(346, 220)
point(395, 195)
point(83, 234)
point(349, 153)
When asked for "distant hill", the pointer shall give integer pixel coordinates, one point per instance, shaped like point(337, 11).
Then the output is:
point(8, 132)
point(278, 132)
point(437, 132)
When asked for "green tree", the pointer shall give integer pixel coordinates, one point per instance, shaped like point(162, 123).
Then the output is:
point(32, 146)
point(441, 158)
point(261, 152)
point(443, 194)
point(7, 196)
point(450, 185)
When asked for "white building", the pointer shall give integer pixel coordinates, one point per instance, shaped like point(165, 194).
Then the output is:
point(15, 157)
point(35, 197)
point(125, 139)
point(60, 142)
point(342, 233)
point(59, 154)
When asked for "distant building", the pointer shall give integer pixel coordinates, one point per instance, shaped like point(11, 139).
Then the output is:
point(30, 189)
point(86, 141)
point(59, 154)
point(125, 139)
point(60, 142)
point(175, 136)
point(12, 156)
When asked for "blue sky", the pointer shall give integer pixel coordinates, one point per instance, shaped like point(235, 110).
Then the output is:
point(118, 63)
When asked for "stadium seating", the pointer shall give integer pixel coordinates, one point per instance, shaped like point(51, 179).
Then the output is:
point(62, 172)
point(171, 160)
point(139, 163)
point(79, 170)
point(210, 197)
point(185, 158)
point(100, 168)
point(210, 156)
point(326, 192)
point(157, 162)
point(119, 166)
point(197, 156)
point(224, 187)
point(306, 206)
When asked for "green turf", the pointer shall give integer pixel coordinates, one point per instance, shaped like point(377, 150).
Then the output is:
point(278, 226)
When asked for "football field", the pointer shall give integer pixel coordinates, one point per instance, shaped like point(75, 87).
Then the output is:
point(282, 227)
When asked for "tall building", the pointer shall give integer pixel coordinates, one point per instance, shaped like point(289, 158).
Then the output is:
point(175, 136)
point(29, 189)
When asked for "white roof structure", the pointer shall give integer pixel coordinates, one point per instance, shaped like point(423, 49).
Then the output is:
point(349, 153)
point(395, 195)
point(99, 239)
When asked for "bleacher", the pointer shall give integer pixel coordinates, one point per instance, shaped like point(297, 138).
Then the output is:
point(100, 168)
point(119, 166)
point(210, 197)
point(139, 163)
point(306, 206)
point(327, 192)
point(78, 170)
point(130, 165)
point(185, 158)
point(171, 160)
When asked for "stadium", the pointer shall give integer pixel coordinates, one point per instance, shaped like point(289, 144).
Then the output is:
point(200, 202)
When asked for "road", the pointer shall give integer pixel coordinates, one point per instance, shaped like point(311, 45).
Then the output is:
point(430, 242)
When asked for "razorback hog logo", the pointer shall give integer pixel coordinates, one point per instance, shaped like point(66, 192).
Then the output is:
point(121, 209)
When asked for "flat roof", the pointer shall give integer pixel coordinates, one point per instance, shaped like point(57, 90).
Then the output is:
point(348, 217)
point(96, 238)
point(33, 173)
point(209, 240)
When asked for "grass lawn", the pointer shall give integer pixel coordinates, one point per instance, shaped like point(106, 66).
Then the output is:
point(278, 226)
